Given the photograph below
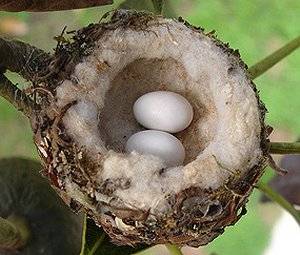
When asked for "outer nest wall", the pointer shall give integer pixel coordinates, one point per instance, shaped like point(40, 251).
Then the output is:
point(83, 128)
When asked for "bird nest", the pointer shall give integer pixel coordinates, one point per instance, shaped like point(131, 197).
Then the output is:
point(86, 118)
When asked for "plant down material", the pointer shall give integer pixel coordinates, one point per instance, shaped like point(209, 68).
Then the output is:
point(85, 95)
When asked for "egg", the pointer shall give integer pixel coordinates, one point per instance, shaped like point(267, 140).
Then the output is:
point(163, 110)
point(157, 143)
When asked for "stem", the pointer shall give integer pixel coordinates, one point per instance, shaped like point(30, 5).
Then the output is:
point(284, 148)
point(279, 200)
point(83, 237)
point(16, 96)
point(97, 244)
point(265, 64)
point(173, 249)
point(14, 233)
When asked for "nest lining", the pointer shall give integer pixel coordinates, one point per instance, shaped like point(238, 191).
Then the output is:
point(223, 139)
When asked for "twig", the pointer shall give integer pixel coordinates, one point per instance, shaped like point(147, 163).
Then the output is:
point(279, 200)
point(97, 245)
point(83, 235)
point(49, 5)
point(16, 97)
point(13, 233)
point(284, 148)
point(265, 64)
point(274, 166)
point(22, 58)
point(173, 249)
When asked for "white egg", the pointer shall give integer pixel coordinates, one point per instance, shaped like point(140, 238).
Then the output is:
point(157, 143)
point(163, 110)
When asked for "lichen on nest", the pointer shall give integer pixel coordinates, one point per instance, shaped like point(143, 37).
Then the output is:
point(94, 82)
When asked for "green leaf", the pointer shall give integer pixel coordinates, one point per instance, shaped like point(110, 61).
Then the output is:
point(158, 6)
point(96, 242)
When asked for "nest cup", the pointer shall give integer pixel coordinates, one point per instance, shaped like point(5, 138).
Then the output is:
point(136, 198)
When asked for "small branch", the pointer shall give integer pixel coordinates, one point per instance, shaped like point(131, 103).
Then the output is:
point(83, 235)
point(173, 249)
point(22, 58)
point(279, 200)
point(284, 148)
point(97, 245)
point(265, 64)
point(16, 97)
point(49, 5)
point(14, 233)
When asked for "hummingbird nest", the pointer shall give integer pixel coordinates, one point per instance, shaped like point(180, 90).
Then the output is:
point(86, 96)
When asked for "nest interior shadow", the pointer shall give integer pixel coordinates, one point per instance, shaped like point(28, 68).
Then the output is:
point(140, 77)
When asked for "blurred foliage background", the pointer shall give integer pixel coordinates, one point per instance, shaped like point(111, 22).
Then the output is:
point(254, 27)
